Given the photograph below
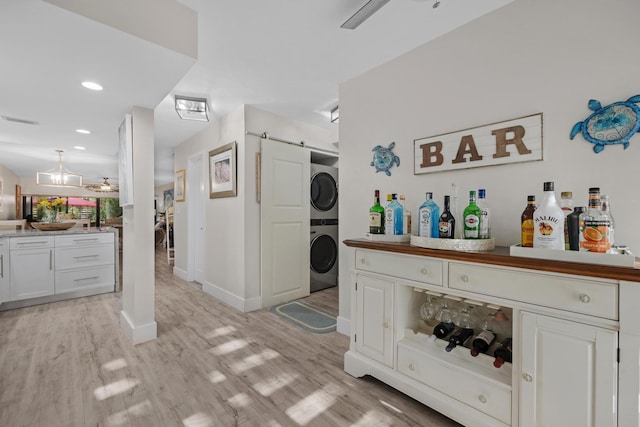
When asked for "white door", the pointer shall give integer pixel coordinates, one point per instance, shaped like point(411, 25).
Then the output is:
point(374, 329)
point(569, 373)
point(195, 203)
point(284, 222)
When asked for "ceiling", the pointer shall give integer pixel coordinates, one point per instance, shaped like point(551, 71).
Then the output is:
point(283, 56)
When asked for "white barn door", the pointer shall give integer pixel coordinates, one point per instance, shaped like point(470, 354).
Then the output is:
point(284, 222)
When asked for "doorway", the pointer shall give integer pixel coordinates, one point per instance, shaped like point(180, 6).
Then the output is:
point(195, 215)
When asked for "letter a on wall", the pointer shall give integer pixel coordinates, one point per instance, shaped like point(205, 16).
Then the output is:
point(511, 141)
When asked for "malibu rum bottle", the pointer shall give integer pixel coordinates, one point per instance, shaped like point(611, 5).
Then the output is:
point(376, 215)
point(548, 220)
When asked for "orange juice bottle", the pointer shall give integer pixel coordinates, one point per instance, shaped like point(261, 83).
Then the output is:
point(595, 225)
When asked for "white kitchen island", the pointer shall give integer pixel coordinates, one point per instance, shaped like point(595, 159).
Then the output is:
point(38, 267)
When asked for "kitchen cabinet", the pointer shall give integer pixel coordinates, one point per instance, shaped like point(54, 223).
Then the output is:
point(568, 323)
point(571, 363)
point(32, 269)
point(41, 267)
point(374, 336)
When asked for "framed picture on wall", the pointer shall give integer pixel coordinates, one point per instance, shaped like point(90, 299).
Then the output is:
point(178, 185)
point(125, 161)
point(222, 171)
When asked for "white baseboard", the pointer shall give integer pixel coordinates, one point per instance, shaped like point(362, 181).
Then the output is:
point(138, 334)
point(244, 305)
point(181, 274)
point(343, 325)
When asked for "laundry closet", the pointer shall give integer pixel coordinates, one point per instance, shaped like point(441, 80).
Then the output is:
point(323, 221)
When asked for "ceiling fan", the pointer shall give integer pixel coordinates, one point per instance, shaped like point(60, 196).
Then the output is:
point(364, 13)
point(105, 187)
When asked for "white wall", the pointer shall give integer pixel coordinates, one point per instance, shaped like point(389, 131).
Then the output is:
point(528, 57)
point(232, 225)
point(8, 194)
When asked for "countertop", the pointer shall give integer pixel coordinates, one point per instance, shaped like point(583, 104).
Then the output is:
point(33, 232)
point(501, 256)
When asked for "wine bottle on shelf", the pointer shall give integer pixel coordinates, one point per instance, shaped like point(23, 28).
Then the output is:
point(503, 353)
point(376, 215)
point(459, 337)
point(485, 338)
point(447, 222)
point(443, 329)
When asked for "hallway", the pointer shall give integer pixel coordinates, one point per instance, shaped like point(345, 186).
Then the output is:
point(70, 364)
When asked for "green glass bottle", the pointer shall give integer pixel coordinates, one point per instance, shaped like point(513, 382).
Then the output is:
point(471, 216)
point(376, 216)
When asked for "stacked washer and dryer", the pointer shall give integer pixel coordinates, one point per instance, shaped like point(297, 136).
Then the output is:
point(324, 227)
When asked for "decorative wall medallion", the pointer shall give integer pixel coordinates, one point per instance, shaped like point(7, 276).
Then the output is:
point(383, 158)
point(612, 124)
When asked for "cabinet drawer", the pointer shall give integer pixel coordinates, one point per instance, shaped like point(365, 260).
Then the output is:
point(577, 295)
point(35, 242)
point(84, 239)
point(74, 280)
point(86, 256)
point(409, 267)
point(468, 387)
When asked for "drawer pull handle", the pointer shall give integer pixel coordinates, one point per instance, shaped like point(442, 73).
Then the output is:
point(32, 243)
point(482, 398)
point(1, 266)
point(85, 240)
point(363, 261)
point(86, 278)
point(527, 377)
point(412, 367)
point(385, 325)
point(424, 271)
point(585, 298)
point(86, 256)
point(464, 278)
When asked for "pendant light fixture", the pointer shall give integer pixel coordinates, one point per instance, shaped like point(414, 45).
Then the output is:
point(59, 177)
point(105, 187)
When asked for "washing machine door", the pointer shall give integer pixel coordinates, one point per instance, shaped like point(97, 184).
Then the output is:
point(324, 191)
point(324, 253)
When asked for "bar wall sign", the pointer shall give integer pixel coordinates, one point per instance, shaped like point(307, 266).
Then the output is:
point(512, 141)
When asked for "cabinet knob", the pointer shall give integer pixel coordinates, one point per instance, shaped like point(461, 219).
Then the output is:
point(412, 367)
point(482, 398)
point(527, 377)
point(464, 278)
point(424, 271)
point(585, 298)
point(385, 325)
point(363, 261)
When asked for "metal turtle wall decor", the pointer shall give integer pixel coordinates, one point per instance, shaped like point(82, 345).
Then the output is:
point(384, 159)
point(612, 124)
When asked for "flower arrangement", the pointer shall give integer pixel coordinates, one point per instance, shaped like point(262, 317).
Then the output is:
point(51, 203)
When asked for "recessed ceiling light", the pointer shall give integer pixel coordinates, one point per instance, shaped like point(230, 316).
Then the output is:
point(84, 131)
point(79, 147)
point(92, 85)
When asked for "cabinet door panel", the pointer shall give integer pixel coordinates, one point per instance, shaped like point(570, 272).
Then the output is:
point(569, 373)
point(374, 331)
point(32, 273)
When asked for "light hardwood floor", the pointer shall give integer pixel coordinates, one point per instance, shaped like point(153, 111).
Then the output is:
point(70, 364)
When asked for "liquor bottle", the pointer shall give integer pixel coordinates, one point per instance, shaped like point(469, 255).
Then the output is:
point(485, 217)
point(393, 217)
point(566, 204)
point(606, 209)
point(376, 215)
point(526, 223)
point(428, 215)
point(388, 221)
point(573, 223)
point(594, 225)
point(447, 223)
point(503, 353)
point(471, 217)
point(459, 337)
point(406, 216)
point(485, 338)
point(548, 219)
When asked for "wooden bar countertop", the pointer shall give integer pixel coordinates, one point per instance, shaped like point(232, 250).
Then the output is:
point(500, 256)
